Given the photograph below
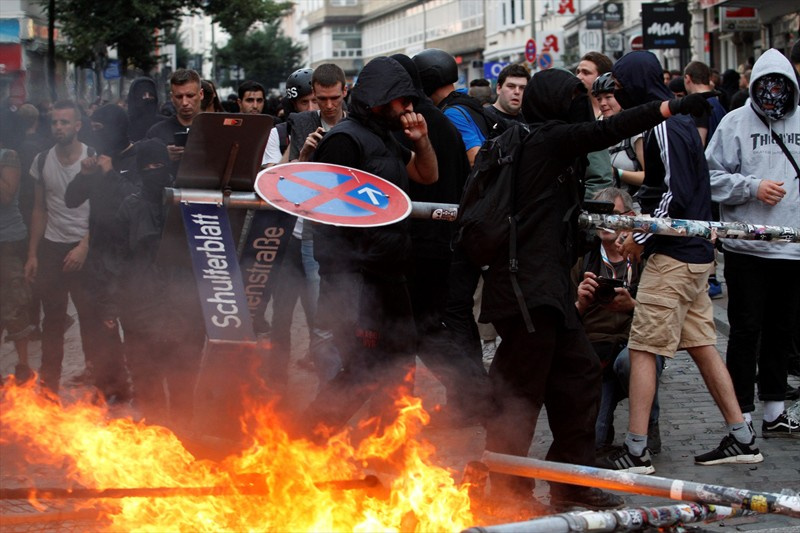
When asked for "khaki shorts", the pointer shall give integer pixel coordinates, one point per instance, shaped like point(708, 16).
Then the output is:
point(673, 310)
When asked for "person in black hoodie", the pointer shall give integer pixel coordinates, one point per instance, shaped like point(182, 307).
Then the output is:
point(553, 365)
point(152, 350)
point(673, 308)
point(364, 297)
point(106, 178)
point(142, 107)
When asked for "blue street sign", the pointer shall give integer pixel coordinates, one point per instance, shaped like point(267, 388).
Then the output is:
point(111, 72)
point(492, 69)
point(217, 273)
point(545, 61)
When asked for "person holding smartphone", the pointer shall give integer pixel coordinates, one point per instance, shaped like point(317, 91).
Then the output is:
point(186, 93)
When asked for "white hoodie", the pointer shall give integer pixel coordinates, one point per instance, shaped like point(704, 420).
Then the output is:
point(742, 153)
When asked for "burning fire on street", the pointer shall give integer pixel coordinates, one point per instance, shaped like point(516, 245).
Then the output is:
point(275, 483)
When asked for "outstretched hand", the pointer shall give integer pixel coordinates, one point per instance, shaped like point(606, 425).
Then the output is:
point(695, 104)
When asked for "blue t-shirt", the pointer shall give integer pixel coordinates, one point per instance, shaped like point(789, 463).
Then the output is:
point(462, 120)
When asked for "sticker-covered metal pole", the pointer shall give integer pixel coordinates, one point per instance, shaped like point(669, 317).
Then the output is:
point(448, 213)
point(674, 489)
point(690, 228)
point(628, 519)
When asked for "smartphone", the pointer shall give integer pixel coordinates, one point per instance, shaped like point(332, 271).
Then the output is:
point(599, 207)
point(180, 137)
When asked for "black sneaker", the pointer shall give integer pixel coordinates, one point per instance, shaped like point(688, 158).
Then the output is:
point(585, 498)
point(731, 450)
point(625, 461)
point(783, 427)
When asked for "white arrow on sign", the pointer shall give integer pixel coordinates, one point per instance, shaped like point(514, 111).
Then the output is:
point(371, 193)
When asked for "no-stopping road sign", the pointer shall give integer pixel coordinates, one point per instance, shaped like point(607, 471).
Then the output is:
point(333, 194)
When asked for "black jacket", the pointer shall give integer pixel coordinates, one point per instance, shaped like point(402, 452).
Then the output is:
point(360, 142)
point(548, 187)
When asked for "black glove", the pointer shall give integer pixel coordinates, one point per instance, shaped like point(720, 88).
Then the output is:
point(693, 104)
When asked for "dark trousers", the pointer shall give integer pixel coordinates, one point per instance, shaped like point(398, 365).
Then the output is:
point(449, 344)
point(291, 285)
point(376, 344)
point(55, 287)
point(763, 302)
point(555, 367)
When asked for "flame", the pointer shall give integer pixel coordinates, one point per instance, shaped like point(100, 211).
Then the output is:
point(276, 483)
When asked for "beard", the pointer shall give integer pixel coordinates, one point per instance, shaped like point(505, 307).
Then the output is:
point(388, 120)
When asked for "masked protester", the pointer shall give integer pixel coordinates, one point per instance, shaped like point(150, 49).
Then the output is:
point(105, 179)
point(364, 301)
point(554, 365)
point(142, 107)
point(142, 287)
point(754, 181)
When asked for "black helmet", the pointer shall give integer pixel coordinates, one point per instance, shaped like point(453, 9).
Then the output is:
point(603, 84)
point(298, 84)
point(436, 69)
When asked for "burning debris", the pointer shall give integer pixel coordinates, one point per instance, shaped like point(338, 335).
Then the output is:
point(140, 477)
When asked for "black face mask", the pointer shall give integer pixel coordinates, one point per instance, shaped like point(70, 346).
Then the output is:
point(153, 182)
point(109, 142)
point(580, 109)
point(623, 98)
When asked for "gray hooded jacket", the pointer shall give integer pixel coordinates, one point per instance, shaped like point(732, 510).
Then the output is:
point(742, 153)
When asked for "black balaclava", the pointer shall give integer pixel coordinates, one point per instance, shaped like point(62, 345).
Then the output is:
point(112, 139)
point(775, 89)
point(152, 164)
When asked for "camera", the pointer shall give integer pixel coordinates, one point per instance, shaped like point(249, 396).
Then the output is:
point(604, 293)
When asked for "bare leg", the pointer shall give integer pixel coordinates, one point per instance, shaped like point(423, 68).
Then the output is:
point(718, 381)
point(642, 390)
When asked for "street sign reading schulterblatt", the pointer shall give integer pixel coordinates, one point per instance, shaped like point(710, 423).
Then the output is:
point(333, 194)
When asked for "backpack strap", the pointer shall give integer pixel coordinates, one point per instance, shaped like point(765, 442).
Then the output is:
point(513, 262)
point(779, 142)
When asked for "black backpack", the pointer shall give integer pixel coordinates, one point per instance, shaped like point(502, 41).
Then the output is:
point(487, 218)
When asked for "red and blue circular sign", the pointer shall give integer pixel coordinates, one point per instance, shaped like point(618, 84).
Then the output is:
point(333, 194)
point(530, 51)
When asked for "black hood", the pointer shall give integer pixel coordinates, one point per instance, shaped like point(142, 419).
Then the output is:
point(549, 96)
point(382, 80)
point(113, 137)
point(136, 92)
point(641, 77)
point(408, 64)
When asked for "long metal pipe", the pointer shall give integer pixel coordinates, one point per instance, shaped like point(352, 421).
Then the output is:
point(628, 519)
point(448, 212)
point(369, 483)
point(674, 489)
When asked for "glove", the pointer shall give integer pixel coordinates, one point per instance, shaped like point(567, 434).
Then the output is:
point(693, 104)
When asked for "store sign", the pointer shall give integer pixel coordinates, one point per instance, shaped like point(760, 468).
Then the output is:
point(9, 30)
point(590, 41)
point(10, 58)
point(613, 42)
point(613, 12)
point(552, 44)
point(738, 19)
point(665, 26)
point(594, 21)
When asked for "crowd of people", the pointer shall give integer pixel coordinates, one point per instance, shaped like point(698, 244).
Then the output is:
point(584, 322)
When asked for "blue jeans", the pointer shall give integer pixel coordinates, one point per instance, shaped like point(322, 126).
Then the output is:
point(614, 390)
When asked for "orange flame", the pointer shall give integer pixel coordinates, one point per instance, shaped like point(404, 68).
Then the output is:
point(290, 476)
